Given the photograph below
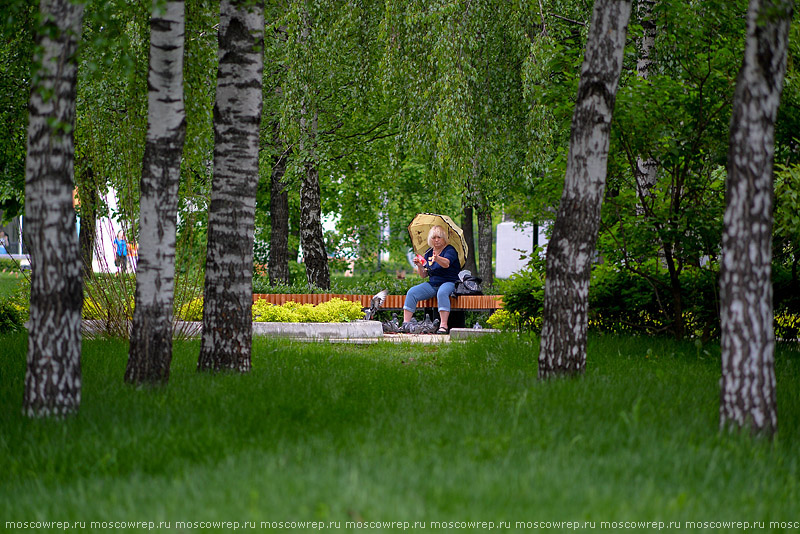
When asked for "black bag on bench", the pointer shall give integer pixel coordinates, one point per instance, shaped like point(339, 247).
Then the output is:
point(468, 284)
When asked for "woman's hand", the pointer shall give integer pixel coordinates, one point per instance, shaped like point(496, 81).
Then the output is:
point(441, 260)
point(419, 264)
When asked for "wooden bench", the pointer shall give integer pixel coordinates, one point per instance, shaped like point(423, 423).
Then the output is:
point(392, 302)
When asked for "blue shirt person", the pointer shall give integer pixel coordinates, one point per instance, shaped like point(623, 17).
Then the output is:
point(121, 252)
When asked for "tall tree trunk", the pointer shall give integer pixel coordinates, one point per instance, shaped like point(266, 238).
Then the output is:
point(747, 398)
point(678, 326)
point(572, 246)
point(279, 195)
point(228, 296)
point(469, 235)
point(279, 219)
point(311, 235)
point(150, 351)
point(476, 198)
point(646, 168)
point(53, 376)
point(89, 198)
point(485, 270)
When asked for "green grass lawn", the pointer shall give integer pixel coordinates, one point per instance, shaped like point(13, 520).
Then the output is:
point(382, 433)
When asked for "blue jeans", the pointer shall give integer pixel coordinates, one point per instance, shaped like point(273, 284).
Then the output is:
point(426, 291)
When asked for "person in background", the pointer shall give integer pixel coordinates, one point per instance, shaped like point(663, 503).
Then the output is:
point(4, 243)
point(441, 266)
point(121, 252)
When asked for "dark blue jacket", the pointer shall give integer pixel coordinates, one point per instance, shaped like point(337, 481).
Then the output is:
point(438, 274)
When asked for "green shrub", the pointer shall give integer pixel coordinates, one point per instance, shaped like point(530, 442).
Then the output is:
point(787, 325)
point(93, 309)
point(505, 320)
point(100, 309)
point(191, 311)
point(785, 289)
point(265, 312)
point(338, 311)
point(302, 313)
point(15, 308)
point(623, 302)
point(334, 311)
point(523, 296)
point(12, 316)
point(109, 297)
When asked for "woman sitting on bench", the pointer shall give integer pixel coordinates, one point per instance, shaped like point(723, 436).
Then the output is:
point(441, 266)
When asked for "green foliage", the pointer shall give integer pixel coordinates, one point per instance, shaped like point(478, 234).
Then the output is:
point(101, 309)
point(620, 301)
point(12, 316)
point(93, 310)
point(787, 326)
point(14, 302)
point(366, 284)
point(110, 297)
point(625, 302)
point(523, 297)
point(111, 104)
point(786, 230)
point(505, 320)
point(334, 311)
point(17, 24)
point(191, 310)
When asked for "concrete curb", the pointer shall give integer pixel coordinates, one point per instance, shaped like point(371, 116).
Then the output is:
point(305, 331)
point(320, 331)
point(354, 332)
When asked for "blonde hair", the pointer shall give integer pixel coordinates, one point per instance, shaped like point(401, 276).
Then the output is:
point(441, 232)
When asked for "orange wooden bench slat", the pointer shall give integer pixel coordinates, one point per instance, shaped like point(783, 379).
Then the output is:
point(392, 302)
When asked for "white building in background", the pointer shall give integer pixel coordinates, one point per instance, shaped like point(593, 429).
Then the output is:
point(515, 241)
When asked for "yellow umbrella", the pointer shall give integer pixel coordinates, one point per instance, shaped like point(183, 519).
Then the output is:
point(422, 224)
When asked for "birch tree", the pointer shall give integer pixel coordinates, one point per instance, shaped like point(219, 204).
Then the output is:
point(150, 350)
point(572, 247)
point(53, 376)
point(311, 235)
point(646, 167)
point(747, 398)
point(228, 299)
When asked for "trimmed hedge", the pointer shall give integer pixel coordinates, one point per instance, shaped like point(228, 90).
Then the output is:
point(334, 311)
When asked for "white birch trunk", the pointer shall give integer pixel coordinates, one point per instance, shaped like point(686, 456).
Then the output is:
point(150, 351)
point(747, 398)
point(228, 296)
point(572, 246)
point(53, 376)
point(646, 168)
